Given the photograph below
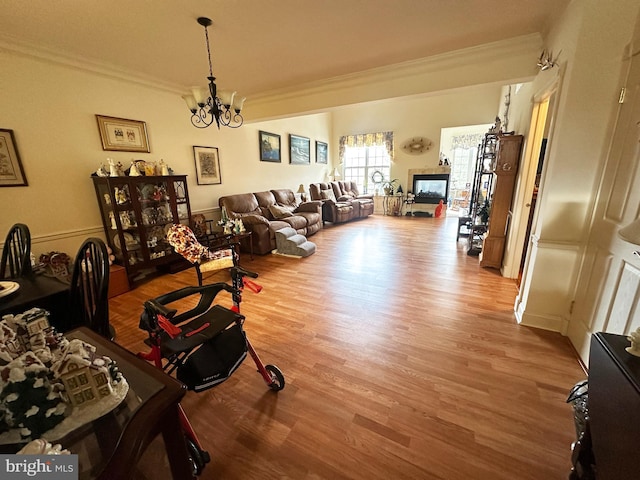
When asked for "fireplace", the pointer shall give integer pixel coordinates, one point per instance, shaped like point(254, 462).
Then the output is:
point(431, 188)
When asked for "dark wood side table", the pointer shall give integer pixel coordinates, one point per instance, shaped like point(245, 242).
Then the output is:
point(110, 447)
point(218, 240)
point(614, 406)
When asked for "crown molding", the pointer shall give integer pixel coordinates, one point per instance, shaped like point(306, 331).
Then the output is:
point(412, 77)
point(12, 45)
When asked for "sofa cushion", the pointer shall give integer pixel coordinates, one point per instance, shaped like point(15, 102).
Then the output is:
point(279, 211)
point(285, 197)
point(328, 195)
point(296, 221)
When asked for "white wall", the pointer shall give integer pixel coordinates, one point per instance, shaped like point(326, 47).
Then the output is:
point(418, 117)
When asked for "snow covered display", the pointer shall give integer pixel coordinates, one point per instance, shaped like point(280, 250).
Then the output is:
point(47, 381)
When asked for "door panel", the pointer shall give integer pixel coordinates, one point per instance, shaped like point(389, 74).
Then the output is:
point(609, 284)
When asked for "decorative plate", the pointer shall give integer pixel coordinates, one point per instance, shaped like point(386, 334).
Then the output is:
point(128, 240)
point(417, 145)
point(8, 288)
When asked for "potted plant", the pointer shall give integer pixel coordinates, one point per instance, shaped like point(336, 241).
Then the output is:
point(484, 212)
point(389, 186)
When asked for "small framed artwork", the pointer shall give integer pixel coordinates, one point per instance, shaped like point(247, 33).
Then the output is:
point(299, 150)
point(123, 135)
point(321, 152)
point(207, 165)
point(11, 171)
point(269, 147)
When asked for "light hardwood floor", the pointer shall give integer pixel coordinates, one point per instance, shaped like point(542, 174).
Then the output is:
point(402, 358)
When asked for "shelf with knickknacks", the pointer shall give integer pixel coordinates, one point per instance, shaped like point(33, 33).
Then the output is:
point(136, 169)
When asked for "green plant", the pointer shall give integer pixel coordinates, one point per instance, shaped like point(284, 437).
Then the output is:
point(484, 211)
point(389, 186)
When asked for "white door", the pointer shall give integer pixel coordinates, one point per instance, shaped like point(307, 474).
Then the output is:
point(608, 288)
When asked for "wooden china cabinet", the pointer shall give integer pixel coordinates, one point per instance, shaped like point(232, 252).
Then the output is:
point(136, 214)
point(504, 167)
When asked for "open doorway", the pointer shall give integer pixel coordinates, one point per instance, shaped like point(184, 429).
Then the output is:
point(542, 96)
point(459, 145)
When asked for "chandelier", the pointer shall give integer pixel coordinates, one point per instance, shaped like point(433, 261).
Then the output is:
point(206, 105)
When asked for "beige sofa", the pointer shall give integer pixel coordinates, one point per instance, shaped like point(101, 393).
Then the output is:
point(264, 213)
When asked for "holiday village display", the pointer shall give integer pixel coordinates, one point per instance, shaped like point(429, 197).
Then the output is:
point(50, 385)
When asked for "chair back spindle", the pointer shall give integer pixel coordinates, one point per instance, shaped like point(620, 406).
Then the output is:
point(16, 254)
point(90, 286)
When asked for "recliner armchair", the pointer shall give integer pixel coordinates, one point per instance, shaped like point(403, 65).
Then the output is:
point(348, 192)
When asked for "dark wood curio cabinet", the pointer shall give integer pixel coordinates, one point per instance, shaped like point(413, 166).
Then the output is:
point(136, 214)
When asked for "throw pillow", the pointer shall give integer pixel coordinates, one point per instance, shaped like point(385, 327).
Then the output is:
point(328, 195)
point(280, 212)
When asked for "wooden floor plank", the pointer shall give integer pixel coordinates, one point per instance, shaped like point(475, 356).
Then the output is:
point(402, 357)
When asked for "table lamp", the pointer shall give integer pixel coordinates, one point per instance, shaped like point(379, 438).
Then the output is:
point(303, 194)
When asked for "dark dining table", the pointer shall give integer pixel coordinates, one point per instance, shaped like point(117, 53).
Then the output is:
point(49, 293)
point(112, 446)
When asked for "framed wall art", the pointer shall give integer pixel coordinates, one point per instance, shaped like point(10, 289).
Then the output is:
point(299, 150)
point(11, 171)
point(321, 152)
point(269, 147)
point(123, 135)
point(207, 165)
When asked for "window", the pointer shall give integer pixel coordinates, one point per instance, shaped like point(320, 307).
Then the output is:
point(363, 155)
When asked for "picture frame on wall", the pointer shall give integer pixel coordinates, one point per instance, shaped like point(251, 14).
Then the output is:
point(11, 171)
point(299, 150)
point(207, 165)
point(322, 152)
point(123, 135)
point(270, 150)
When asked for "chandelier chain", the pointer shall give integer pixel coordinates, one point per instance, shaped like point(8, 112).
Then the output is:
point(206, 34)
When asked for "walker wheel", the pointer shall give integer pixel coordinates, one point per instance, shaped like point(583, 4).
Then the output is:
point(277, 379)
point(197, 457)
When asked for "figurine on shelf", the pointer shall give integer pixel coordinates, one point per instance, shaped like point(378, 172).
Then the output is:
point(634, 338)
point(164, 169)
point(133, 170)
point(150, 169)
point(496, 127)
point(112, 217)
point(102, 171)
point(121, 196)
point(113, 171)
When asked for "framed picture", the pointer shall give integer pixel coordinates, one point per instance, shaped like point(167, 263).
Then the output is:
point(207, 165)
point(11, 171)
point(269, 147)
point(299, 150)
point(321, 152)
point(123, 135)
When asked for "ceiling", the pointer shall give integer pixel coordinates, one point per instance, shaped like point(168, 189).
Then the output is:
point(261, 45)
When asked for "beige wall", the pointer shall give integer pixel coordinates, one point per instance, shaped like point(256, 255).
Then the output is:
point(51, 109)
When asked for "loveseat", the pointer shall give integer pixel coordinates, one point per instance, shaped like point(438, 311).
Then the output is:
point(341, 201)
point(264, 213)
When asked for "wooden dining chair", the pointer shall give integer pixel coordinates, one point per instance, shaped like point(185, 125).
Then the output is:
point(89, 305)
point(16, 254)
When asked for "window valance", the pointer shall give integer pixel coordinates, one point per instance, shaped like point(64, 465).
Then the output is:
point(367, 140)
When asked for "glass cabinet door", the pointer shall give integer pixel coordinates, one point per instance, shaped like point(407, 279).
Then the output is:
point(156, 217)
